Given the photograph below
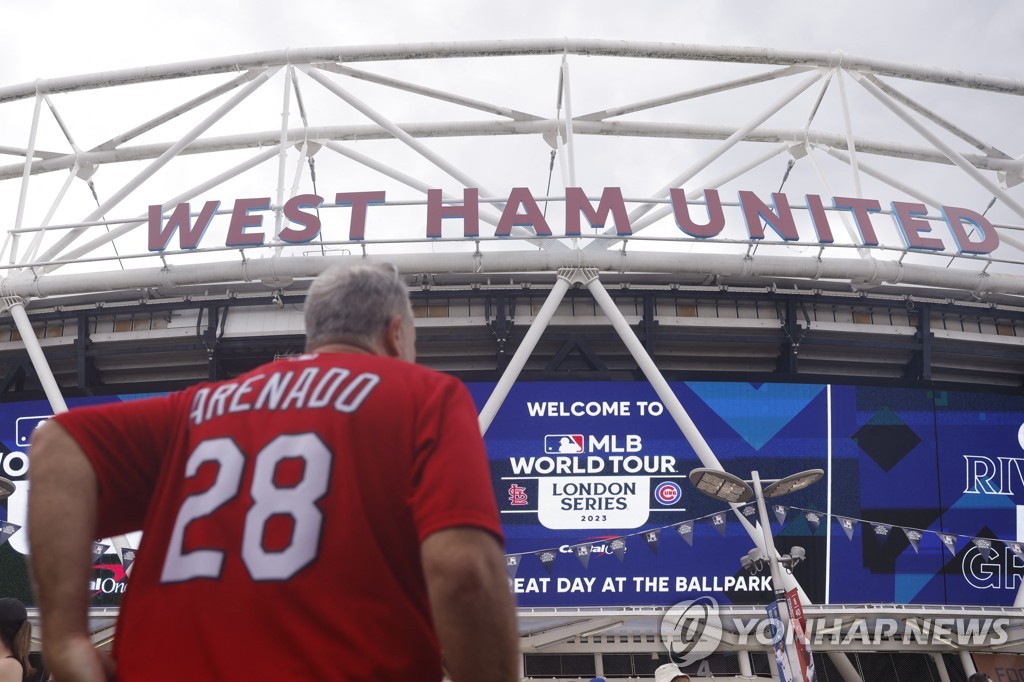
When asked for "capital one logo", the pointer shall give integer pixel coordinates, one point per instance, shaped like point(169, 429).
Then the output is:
point(692, 630)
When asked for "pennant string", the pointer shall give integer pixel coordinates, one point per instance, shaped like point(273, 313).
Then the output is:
point(824, 515)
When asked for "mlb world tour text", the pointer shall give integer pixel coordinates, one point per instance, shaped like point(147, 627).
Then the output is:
point(965, 230)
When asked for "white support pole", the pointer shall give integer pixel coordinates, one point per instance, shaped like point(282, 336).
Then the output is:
point(25, 175)
point(694, 94)
point(743, 656)
point(955, 157)
point(694, 438)
point(727, 144)
point(844, 217)
point(570, 146)
point(16, 307)
point(659, 213)
point(185, 196)
point(53, 252)
point(671, 402)
point(170, 114)
point(396, 132)
point(409, 181)
point(37, 238)
point(845, 667)
point(410, 141)
point(850, 146)
point(921, 196)
point(792, 657)
point(940, 666)
point(967, 662)
point(441, 95)
point(523, 352)
point(283, 157)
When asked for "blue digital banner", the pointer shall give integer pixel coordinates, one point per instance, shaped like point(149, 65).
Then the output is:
point(591, 464)
point(925, 489)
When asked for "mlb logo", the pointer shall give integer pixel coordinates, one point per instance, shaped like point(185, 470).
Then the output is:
point(563, 443)
point(24, 426)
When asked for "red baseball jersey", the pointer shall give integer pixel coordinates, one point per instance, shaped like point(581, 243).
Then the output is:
point(282, 514)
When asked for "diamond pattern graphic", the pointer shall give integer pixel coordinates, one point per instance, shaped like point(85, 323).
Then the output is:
point(886, 439)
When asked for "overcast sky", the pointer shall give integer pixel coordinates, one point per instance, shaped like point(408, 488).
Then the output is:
point(47, 38)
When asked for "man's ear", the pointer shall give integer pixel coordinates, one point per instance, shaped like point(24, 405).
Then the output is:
point(393, 337)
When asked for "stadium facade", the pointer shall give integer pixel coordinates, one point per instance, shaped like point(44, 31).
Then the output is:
point(643, 259)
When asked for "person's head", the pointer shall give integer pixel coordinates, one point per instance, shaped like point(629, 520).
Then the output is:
point(366, 306)
point(670, 673)
point(978, 677)
point(15, 629)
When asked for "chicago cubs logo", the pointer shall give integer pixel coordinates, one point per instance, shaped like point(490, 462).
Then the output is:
point(668, 493)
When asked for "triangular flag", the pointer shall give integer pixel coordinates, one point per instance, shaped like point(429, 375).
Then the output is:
point(780, 514)
point(881, 530)
point(718, 521)
point(949, 541)
point(618, 546)
point(512, 564)
point(685, 530)
point(914, 536)
point(749, 510)
point(128, 558)
point(1016, 547)
point(985, 546)
point(98, 550)
point(847, 525)
point(582, 553)
point(7, 530)
point(813, 521)
point(547, 559)
point(651, 538)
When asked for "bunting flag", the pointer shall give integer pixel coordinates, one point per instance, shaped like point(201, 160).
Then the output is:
point(618, 546)
point(547, 559)
point(949, 541)
point(813, 521)
point(685, 530)
point(985, 546)
point(914, 536)
point(128, 558)
point(847, 525)
point(98, 550)
point(651, 538)
point(582, 553)
point(511, 563)
point(7, 530)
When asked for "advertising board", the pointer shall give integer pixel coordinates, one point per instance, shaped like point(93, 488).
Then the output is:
point(922, 501)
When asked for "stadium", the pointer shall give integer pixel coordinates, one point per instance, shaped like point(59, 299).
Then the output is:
point(644, 259)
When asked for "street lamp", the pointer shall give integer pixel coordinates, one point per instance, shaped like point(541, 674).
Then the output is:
point(721, 485)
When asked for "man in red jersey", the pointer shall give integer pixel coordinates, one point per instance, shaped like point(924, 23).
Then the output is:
point(328, 516)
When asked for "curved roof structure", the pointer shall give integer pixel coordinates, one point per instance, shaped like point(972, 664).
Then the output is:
point(833, 178)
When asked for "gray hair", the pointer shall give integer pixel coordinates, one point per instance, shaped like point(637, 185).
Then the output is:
point(354, 305)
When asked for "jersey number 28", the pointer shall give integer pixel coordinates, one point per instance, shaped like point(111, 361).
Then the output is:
point(269, 500)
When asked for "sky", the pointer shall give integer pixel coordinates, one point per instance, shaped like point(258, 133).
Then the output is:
point(41, 39)
point(47, 38)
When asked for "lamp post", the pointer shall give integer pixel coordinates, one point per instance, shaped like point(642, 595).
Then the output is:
point(721, 485)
